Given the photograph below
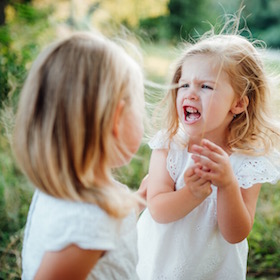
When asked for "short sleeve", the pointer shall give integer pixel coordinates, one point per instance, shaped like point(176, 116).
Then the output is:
point(159, 141)
point(53, 224)
point(83, 224)
point(175, 156)
point(253, 170)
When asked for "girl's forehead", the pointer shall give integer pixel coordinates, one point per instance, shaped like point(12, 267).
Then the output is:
point(203, 67)
point(202, 58)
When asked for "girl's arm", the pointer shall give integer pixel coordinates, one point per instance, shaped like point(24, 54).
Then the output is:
point(236, 211)
point(71, 263)
point(165, 204)
point(236, 206)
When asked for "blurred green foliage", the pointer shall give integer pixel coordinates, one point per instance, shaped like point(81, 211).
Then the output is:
point(264, 239)
point(15, 197)
point(184, 19)
point(20, 41)
point(264, 22)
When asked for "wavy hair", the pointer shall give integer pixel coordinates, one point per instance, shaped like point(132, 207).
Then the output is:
point(254, 131)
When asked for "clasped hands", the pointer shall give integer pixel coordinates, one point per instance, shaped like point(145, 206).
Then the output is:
point(211, 167)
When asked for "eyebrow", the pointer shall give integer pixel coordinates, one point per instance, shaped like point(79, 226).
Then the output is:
point(197, 81)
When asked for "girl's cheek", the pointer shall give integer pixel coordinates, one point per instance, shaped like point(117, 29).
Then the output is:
point(178, 102)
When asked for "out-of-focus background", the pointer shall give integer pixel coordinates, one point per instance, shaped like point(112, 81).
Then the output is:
point(156, 27)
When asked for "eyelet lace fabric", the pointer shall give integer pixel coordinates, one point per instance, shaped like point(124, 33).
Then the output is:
point(193, 247)
point(254, 170)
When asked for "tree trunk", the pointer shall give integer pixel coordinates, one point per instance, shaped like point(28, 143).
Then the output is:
point(2, 12)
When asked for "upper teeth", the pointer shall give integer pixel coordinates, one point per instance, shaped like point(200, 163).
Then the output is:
point(191, 110)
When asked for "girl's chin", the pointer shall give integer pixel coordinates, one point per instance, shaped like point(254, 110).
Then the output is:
point(193, 131)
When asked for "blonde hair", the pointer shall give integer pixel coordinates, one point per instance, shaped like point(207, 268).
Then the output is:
point(63, 137)
point(253, 131)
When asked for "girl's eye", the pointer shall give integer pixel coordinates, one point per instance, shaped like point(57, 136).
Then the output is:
point(207, 87)
point(184, 86)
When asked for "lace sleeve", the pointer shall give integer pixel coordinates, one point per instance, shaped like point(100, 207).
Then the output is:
point(174, 157)
point(159, 141)
point(255, 170)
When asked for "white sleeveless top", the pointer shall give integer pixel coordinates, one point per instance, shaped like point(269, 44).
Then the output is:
point(193, 247)
point(53, 224)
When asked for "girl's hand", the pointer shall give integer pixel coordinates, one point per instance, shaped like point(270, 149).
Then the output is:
point(142, 192)
point(199, 187)
point(215, 164)
point(235, 206)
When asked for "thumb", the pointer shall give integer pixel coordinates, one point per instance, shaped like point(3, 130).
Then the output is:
point(189, 172)
point(144, 185)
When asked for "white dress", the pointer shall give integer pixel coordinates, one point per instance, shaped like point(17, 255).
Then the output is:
point(193, 247)
point(53, 224)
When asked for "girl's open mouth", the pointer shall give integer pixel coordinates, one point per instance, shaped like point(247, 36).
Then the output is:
point(191, 114)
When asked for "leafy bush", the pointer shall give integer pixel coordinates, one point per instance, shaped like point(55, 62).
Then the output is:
point(15, 196)
point(264, 240)
point(19, 44)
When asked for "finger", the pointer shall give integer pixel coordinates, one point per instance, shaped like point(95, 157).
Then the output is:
point(202, 183)
point(206, 164)
point(208, 176)
point(142, 190)
point(205, 153)
point(189, 172)
point(208, 189)
point(144, 183)
point(212, 146)
point(193, 179)
point(205, 188)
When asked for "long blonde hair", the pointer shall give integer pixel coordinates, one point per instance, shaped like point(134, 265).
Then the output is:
point(63, 136)
point(254, 131)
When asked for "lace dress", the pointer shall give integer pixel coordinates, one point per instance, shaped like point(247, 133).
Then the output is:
point(193, 247)
point(53, 224)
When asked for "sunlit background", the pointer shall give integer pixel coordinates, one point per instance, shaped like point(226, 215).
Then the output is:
point(156, 27)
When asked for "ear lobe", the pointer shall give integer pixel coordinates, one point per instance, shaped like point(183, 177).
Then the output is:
point(240, 105)
point(117, 118)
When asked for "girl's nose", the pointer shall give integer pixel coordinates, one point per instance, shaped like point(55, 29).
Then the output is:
point(192, 93)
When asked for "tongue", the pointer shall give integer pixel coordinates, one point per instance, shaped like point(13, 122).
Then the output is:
point(193, 116)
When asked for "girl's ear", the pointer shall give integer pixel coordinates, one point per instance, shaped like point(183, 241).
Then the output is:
point(240, 105)
point(117, 118)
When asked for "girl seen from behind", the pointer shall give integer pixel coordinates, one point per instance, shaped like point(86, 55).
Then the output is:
point(79, 116)
point(217, 144)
